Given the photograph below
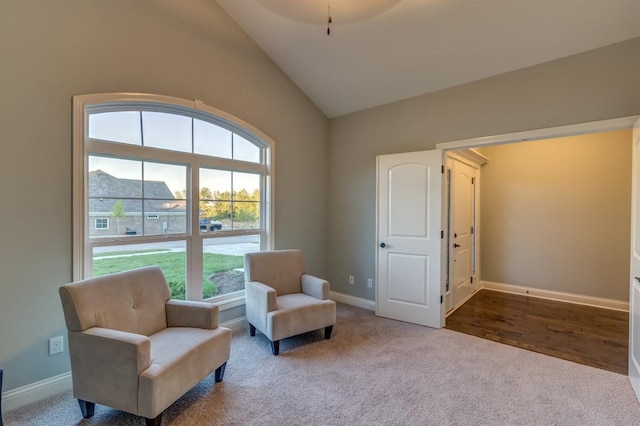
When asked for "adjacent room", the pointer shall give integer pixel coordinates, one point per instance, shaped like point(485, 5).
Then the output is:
point(553, 220)
point(107, 113)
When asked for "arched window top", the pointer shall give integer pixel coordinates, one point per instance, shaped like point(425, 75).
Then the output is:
point(174, 128)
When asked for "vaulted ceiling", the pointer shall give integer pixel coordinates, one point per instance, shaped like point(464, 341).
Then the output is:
point(382, 51)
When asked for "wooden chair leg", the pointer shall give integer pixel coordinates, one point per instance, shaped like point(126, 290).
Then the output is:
point(327, 332)
point(87, 408)
point(154, 422)
point(275, 347)
point(252, 330)
point(220, 372)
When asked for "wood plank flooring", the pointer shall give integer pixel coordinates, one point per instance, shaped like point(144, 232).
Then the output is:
point(583, 334)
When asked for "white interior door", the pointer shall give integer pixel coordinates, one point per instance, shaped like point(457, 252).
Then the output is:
point(409, 226)
point(462, 228)
point(634, 297)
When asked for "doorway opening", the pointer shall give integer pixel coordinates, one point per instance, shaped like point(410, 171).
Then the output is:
point(569, 243)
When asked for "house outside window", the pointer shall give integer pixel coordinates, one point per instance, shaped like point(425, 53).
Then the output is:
point(172, 183)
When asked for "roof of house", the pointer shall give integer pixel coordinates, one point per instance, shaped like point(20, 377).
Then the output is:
point(106, 190)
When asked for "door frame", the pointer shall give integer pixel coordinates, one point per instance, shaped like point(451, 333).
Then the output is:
point(541, 134)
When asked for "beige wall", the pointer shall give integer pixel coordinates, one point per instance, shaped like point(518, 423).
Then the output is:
point(595, 85)
point(52, 50)
point(556, 214)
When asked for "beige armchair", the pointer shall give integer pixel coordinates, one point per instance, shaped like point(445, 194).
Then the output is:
point(133, 348)
point(282, 300)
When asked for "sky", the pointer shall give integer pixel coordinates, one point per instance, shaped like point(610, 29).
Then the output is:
point(177, 133)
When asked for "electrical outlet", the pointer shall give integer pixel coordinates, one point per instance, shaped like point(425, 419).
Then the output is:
point(352, 280)
point(370, 283)
point(56, 345)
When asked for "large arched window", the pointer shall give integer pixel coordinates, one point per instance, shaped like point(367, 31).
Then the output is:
point(169, 182)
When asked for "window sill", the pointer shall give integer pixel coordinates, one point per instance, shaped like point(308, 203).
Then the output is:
point(230, 303)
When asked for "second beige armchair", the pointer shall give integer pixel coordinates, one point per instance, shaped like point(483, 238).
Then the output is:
point(282, 300)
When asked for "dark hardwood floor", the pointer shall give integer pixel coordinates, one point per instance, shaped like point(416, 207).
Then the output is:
point(584, 334)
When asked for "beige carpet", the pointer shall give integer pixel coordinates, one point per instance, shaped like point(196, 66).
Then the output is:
point(376, 371)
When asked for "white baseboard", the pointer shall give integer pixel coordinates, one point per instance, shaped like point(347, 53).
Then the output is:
point(579, 299)
point(33, 392)
point(353, 300)
point(236, 325)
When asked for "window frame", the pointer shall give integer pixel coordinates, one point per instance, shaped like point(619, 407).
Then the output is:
point(83, 147)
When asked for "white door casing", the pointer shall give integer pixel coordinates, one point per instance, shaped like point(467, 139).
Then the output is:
point(409, 226)
point(634, 296)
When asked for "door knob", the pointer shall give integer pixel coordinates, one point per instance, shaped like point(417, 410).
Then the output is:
point(456, 245)
point(383, 245)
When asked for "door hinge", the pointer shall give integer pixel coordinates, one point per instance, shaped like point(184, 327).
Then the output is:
point(472, 229)
point(471, 280)
point(441, 234)
point(441, 299)
point(442, 169)
point(473, 181)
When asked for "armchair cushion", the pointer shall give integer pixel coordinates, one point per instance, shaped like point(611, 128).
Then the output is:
point(299, 313)
point(180, 358)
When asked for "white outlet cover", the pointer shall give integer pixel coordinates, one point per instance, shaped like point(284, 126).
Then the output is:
point(56, 345)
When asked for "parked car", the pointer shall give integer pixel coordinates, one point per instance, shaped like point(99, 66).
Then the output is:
point(210, 225)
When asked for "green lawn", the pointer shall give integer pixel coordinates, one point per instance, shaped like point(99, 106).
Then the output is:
point(173, 266)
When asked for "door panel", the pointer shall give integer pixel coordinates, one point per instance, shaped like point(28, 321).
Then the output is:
point(407, 275)
point(408, 207)
point(409, 237)
point(634, 296)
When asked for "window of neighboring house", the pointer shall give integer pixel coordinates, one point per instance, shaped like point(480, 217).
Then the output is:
point(172, 183)
point(102, 223)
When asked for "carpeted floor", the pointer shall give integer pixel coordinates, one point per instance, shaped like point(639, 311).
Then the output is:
point(376, 371)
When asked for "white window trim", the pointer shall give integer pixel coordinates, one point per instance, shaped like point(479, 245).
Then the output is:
point(162, 103)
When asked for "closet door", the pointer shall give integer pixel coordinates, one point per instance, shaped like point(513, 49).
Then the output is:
point(462, 231)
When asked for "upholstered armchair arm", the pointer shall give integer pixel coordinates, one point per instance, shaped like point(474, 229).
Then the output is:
point(106, 364)
point(261, 294)
point(186, 313)
point(314, 286)
point(259, 299)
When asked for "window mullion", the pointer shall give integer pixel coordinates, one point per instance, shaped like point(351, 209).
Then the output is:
point(195, 253)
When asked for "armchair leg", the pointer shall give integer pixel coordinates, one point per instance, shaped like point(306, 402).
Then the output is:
point(327, 332)
point(87, 408)
point(275, 347)
point(220, 372)
point(252, 330)
point(154, 422)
